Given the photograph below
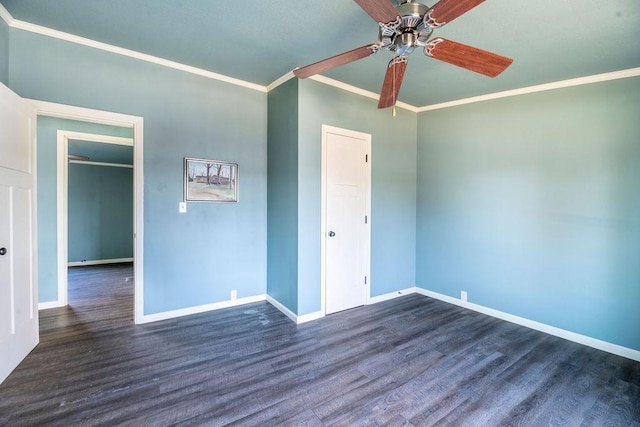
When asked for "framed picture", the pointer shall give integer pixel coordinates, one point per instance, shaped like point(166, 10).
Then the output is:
point(210, 181)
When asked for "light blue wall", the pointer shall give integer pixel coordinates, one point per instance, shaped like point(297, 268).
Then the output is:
point(189, 259)
point(393, 198)
point(282, 192)
point(4, 53)
point(47, 195)
point(532, 205)
point(100, 206)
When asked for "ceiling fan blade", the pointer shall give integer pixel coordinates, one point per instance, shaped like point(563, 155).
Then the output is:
point(380, 10)
point(392, 82)
point(336, 61)
point(471, 58)
point(447, 10)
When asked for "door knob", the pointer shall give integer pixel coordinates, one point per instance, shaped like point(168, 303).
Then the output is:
point(3, 251)
point(331, 234)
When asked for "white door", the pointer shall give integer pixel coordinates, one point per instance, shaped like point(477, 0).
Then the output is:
point(347, 176)
point(18, 286)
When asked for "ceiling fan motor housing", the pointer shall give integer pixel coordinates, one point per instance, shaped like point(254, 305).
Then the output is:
point(407, 32)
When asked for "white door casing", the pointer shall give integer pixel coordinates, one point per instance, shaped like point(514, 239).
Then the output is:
point(346, 183)
point(19, 332)
point(63, 137)
point(51, 109)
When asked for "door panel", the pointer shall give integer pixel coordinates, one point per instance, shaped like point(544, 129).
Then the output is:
point(18, 293)
point(347, 251)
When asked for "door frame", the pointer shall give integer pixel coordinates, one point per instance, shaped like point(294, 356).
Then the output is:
point(44, 108)
point(62, 173)
point(326, 130)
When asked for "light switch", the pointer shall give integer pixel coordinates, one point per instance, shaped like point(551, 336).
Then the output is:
point(182, 207)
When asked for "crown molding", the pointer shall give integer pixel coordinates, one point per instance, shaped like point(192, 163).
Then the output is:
point(340, 85)
point(281, 80)
point(358, 91)
point(615, 75)
point(26, 26)
point(5, 15)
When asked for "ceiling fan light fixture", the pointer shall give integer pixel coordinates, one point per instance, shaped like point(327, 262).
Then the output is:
point(406, 43)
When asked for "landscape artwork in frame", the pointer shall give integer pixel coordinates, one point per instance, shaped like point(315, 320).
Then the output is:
point(210, 180)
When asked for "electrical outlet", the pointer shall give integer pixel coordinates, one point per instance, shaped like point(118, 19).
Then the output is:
point(182, 207)
point(234, 294)
point(463, 296)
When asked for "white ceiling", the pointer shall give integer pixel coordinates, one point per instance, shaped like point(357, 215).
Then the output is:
point(259, 41)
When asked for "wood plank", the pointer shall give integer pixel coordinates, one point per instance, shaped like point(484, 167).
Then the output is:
point(411, 360)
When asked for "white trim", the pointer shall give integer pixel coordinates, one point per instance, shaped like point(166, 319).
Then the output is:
point(291, 315)
point(277, 304)
point(137, 123)
point(63, 111)
point(391, 295)
point(358, 91)
point(532, 324)
point(5, 15)
point(633, 72)
point(165, 315)
point(310, 317)
point(98, 262)
point(62, 206)
point(103, 139)
point(63, 137)
point(90, 163)
point(26, 26)
point(326, 129)
point(49, 304)
point(281, 80)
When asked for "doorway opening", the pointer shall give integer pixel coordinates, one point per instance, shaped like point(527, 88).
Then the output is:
point(69, 142)
point(95, 209)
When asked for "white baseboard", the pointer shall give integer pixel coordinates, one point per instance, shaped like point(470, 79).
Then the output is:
point(277, 304)
point(291, 315)
point(99, 262)
point(200, 309)
point(49, 304)
point(391, 295)
point(629, 353)
point(309, 317)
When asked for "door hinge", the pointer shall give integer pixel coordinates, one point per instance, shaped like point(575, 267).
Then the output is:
point(366, 158)
point(365, 280)
point(365, 219)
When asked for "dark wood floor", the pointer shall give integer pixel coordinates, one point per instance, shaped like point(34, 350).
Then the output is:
point(409, 361)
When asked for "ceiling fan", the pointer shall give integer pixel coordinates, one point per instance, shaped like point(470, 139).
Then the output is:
point(405, 28)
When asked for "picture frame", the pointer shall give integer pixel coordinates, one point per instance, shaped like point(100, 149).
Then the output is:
point(210, 180)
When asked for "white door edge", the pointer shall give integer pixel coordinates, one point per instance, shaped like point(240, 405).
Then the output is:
point(52, 109)
point(326, 130)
